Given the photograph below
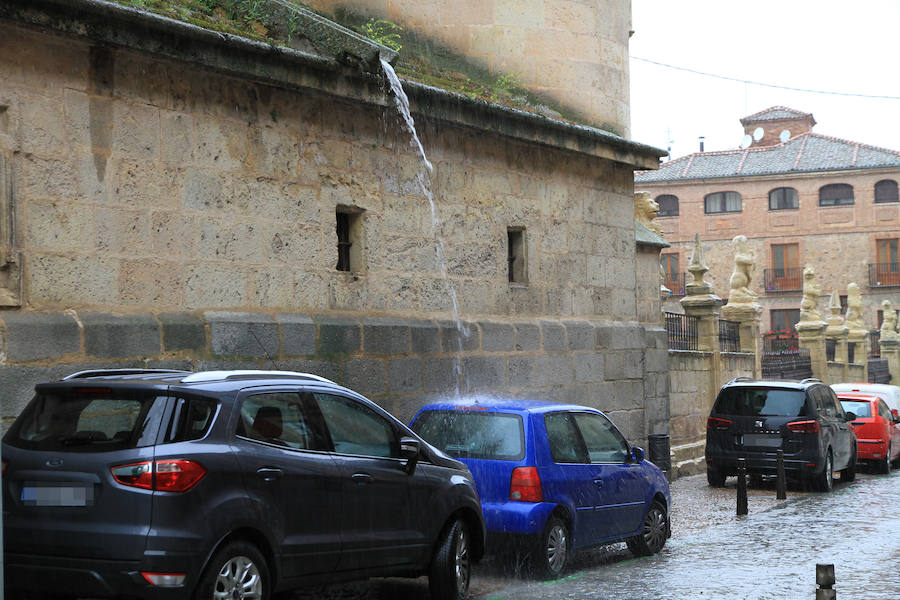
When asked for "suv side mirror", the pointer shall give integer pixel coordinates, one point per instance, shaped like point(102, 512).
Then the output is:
point(409, 450)
point(850, 416)
point(637, 453)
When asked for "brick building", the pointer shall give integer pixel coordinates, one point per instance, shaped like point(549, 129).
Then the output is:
point(801, 198)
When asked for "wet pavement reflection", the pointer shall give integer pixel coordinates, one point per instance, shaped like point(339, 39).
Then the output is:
point(769, 554)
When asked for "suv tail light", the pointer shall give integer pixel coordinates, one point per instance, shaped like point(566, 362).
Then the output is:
point(525, 485)
point(164, 579)
point(5, 462)
point(717, 424)
point(804, 426)
point(178, 475)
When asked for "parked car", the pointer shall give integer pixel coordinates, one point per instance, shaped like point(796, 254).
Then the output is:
point(553, 478)
point(889, 393)
point(225, 484)
point(753, 419)
point(877, 429)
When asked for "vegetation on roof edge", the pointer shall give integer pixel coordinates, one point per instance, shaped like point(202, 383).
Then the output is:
point(420, 59)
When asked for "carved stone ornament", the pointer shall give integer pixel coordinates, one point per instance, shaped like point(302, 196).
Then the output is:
point(854, 320)
point(809, 311)
point(744, 263)
point(889, 322)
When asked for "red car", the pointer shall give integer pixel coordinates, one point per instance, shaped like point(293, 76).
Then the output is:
point(877, 429)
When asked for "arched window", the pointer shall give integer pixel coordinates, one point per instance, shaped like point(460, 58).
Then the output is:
point(721, 202)
point(783, 198)
point(835, 194)
point(668, 205)
point(885, 191)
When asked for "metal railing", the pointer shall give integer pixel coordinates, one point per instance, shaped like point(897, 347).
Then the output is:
point(851, 352)
point(682, 331)
point(787, 364)
point(789, 279)
point(729, 336)
point(830, 348)
point(875, 340)
point(878, 370)
point(676, 284)
point(884, 274)
point(780, 341)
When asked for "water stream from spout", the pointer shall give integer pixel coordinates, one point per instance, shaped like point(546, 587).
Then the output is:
point(423, 177)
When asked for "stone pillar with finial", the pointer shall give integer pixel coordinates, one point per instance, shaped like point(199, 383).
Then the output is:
point(837, 332)
point(742, 304)
point(811, 328)
point(890, 340)
point(700, 301)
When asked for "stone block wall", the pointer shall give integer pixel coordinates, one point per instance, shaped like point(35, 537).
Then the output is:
point(400, 364)
point(574, 51)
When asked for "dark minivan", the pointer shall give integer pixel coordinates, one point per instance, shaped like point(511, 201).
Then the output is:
point(754, 419)
point(224, 484)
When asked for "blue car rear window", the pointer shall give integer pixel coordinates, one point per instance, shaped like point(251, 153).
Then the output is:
point(473, 434)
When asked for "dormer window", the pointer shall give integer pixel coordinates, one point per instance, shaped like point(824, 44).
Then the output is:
point(722, 202)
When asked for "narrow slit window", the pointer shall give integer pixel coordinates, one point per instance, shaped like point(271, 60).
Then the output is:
point(343, 241)
point(515, 256)
point(349, 230)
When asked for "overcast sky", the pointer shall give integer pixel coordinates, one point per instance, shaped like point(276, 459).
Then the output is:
point(826, 45)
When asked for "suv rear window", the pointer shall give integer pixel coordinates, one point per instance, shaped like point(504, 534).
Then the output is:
point(94, 420)
point(473, 434)
point(761, 402)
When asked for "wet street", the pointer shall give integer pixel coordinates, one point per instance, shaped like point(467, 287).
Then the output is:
point(769, 554)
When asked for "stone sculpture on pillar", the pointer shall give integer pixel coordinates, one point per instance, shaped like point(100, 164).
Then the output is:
point(854, 320)
point(645, 210)
point(889, 322)
point(809, 306)
point(744, 262)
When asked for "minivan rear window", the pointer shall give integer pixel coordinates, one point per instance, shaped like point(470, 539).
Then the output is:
point(473, 434)
point(761, 402)
point(93, 420)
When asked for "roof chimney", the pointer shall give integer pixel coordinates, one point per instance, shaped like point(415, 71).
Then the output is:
point(702, 139)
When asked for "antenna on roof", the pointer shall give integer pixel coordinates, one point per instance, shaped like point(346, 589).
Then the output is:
point(746, 141)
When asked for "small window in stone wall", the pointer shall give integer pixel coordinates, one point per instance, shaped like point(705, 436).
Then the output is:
point(515, 255)
point(886, 191)
point(348, 227)
point(783, 198)
point(836, 194)
point(10, 257)
point(722, 202)
point(668, 205)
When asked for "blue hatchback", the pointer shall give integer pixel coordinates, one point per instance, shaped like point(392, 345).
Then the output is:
point(552, 478)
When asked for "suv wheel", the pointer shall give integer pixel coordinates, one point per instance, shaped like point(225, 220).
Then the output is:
point(884, 466)
point(825, 481)
point(448, 577)
point(549, 559)
point(653, 534)
point(238, 570)
point(715, 477)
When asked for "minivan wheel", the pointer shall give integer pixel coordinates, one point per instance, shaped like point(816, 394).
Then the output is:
point(825, 481)
point(653, 534)
point(715, 477)
point(550, 557)
point(448, 576)
point(238, 570)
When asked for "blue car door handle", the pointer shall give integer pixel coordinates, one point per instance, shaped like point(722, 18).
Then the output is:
point(599, 482)
point(362, 478)
point(269, 473)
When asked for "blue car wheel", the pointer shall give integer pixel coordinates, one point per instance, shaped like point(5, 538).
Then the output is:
point(550, 557)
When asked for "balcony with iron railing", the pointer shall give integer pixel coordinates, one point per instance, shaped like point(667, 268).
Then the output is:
point(787, 279)
point(675, 283)
point(884, 274)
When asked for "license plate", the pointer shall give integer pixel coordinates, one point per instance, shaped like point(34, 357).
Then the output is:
point(762, 440)
point(57, 495)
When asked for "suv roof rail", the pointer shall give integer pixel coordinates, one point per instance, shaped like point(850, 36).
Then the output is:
point(108, 372)
point(203, 376)
point(741, 378)
point(811, 380)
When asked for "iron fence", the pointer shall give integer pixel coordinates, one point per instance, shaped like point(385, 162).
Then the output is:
point(787, 364)
point(875, 337)
point(830, 348)
point(729, 336)
point(878, 371)
point(851, 352)
point(780, 341)
point(681, 331)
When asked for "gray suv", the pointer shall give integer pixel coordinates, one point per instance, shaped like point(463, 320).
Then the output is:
point(225, 484)
point(754, 419)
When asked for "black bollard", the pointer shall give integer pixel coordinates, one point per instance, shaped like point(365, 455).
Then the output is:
point(825, 581)
point(780, 483)
point(742, 487)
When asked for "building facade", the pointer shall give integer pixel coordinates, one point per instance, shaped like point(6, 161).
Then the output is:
point(801, 198)
point(172, 197)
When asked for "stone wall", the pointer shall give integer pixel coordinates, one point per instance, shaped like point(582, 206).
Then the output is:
point(574, 51)
point(173, 215)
